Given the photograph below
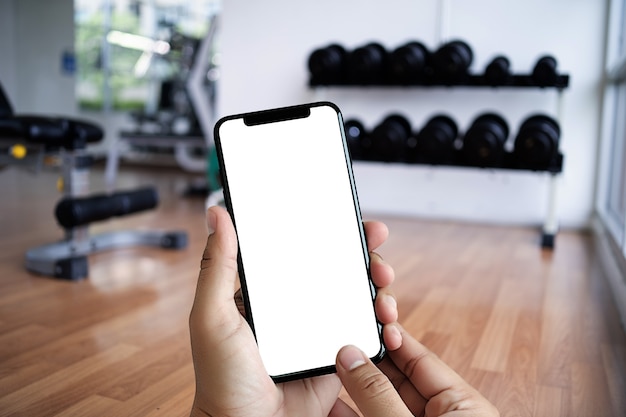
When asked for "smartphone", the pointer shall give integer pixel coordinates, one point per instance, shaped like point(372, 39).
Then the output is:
point(303, 259)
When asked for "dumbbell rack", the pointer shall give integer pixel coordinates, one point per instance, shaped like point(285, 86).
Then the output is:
point(471, 80)
point(550, 225)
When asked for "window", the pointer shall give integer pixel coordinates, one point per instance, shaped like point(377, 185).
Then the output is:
point(612, 180)
point(125, 49)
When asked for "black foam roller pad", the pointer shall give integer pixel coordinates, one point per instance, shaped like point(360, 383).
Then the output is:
point(72, 212)
point(55, 132)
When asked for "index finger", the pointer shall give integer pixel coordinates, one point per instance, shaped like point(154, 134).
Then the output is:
point(429, 374)
point(375, 233)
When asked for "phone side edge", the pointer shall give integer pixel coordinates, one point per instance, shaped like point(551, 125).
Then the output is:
point(229, 208)
point(357, 208)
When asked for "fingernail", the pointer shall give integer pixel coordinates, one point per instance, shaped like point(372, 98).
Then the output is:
point(351, 358)
point(395, 338)
point(211, 221)
point(390, 301)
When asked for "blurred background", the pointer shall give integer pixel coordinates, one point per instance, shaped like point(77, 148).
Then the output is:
point(127, 64)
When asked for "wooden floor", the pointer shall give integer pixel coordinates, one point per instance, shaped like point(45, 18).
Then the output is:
point(537, 332)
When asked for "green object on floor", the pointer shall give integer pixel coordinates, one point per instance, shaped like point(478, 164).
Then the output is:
point(213, 170)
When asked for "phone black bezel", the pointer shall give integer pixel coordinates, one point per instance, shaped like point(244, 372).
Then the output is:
point(273, 116)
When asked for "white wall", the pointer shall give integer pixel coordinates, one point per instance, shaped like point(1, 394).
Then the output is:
point(265, 46)
point(7, 48)
point(44, 30)
point(33, 36)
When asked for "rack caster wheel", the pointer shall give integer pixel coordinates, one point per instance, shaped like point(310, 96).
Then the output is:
point(547, 240)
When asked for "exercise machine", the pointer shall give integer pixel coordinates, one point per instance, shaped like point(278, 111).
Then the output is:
point(187, 105)
point(36, 137)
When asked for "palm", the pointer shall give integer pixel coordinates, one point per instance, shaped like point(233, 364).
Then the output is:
point(316, 395)
point(243, 387)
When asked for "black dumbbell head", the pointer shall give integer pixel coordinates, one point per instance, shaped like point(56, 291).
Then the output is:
point(366, 64)
point(453, 59)
point(440, 128)
point(492, 121)
point(354, 129)
point(498, 71)
point(544, 73)
point(399, 122)
point(357, 140)
point(408, 63)
point(435, 142)
point(483, 143)
point(537, 142)
point(390, 137)
point(326, 65)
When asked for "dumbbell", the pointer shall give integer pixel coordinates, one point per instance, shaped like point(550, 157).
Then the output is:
point(498, 71)
point(483, 142)
point(408, 64)
point(452, 60)
point(537, 142)
point(389, 139)
point(326, 65)
point(366, 64)
point(434, 144)
point(544, 73)
point(358, 140)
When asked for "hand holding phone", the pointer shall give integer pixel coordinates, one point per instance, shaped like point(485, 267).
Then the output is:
point(290, 190)
point(230, 374)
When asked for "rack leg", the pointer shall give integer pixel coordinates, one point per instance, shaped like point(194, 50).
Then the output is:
point(551, 226)
point(112, 165)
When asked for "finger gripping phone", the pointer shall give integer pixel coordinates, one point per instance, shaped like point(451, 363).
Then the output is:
point(303, 259)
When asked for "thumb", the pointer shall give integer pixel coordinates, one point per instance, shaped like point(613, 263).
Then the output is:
point(225, 354)
point(218, 271)
point(368, 387)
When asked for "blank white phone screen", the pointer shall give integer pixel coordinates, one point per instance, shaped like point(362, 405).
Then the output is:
point(299, 236)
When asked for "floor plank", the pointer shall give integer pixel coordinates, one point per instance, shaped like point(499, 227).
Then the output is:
point(536, 331)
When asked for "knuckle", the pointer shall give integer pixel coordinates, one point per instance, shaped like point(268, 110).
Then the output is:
point(410, 367)
point(375, 384)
